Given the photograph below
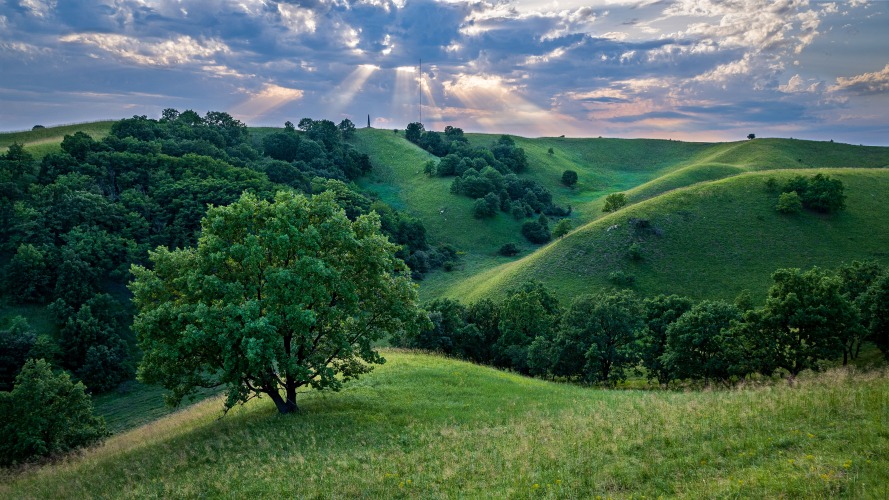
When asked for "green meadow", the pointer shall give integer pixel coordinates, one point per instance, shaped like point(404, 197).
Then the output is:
point(423, 426)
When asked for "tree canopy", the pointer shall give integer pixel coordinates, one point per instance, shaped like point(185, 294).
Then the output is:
point(276, 296)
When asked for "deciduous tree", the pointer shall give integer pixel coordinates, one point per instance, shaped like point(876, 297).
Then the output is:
point(276, 296)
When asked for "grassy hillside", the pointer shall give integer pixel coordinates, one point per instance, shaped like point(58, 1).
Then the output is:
point(709, 240)
point(428, 427)
point(642, 168)
point(42, 141)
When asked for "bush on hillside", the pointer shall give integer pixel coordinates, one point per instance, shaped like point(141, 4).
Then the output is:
point(509, 250)
point(45, 414)
point(819, 193)
point(789, 203)
point(562, 228)
point(537, 231)
point(569, 177)
point(614, 202)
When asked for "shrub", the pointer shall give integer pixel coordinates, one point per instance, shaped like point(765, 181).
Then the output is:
point(789, 203)
point(635, 252)
point(569, 177)
point(509, 250)
point(562, 228)
point(614, 202)
point(45, 414)
point(536, 232)
point(621, 278)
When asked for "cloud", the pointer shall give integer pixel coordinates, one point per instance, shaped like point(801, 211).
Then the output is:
point(867, 83)
point(175, 51)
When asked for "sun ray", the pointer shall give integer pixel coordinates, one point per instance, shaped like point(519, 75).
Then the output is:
point(344, 93)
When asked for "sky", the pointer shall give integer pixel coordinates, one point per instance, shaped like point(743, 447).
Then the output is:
point(696, 70)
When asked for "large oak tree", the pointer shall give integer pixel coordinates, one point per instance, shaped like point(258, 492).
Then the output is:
point(276, 296)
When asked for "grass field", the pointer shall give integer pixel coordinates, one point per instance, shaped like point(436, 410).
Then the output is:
point(46, 140)
point(644, 169)
point(429, 427)
point(714, 241)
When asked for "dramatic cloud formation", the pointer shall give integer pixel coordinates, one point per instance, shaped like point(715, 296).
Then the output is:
point(681, 69)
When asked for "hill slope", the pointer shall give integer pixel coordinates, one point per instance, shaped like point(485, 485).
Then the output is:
point(709, 240)
point(428, 427)
point(642, 168)
point(42, 141)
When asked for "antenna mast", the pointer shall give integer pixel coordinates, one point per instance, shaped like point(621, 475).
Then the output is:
point(420, 82)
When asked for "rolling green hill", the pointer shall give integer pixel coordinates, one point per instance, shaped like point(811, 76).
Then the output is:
point(428, 427)
point(644, 169)
point(706, 241)
point(42, 141)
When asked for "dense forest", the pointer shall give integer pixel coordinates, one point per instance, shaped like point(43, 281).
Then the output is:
point(74, 222)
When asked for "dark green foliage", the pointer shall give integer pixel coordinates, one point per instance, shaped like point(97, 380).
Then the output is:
point(819, 193)
point(282, 146)
point(414, 132)
point(486, 207)
point(614, 202)
point(659, 313)
point(809, 317)
point(29, 273)
point(527, 313)
point(621, 278)
point(562, 228)
point(597, 338)
point(789, 203)
point(276, 296)
point(91, 343)
point(537, 231)
point(856, 281)
point(634, 253)
point(346, 128)
point(698, 342)
point(569, 177)
point(16, 345)
point(447, 322)
point(45, 414)
point(875, 308)
point(509, 250)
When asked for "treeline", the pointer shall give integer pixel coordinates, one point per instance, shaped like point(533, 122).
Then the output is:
point(74, 222)
point(489, 176)
point(808, 318)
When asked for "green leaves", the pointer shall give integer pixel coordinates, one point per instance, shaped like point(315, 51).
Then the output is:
point(277, 295)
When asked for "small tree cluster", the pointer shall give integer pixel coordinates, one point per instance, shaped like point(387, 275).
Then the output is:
point(819, 193)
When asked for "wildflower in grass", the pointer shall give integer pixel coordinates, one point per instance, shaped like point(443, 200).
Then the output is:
point(535, 486)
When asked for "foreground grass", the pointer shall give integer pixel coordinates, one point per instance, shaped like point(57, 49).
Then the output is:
point(429, 427)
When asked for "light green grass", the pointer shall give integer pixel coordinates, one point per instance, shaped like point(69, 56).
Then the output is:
point(643, 168)
point(717, 239)
point(429, 427)
point(43, 141)
point(399, 180)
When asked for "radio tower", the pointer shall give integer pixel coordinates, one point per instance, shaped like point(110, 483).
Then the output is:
point(420, 83)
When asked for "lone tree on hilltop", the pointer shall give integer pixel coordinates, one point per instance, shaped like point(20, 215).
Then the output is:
point(276, 296)
point(751, 136)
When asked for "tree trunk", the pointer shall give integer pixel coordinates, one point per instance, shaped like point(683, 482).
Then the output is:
point(284, 407)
